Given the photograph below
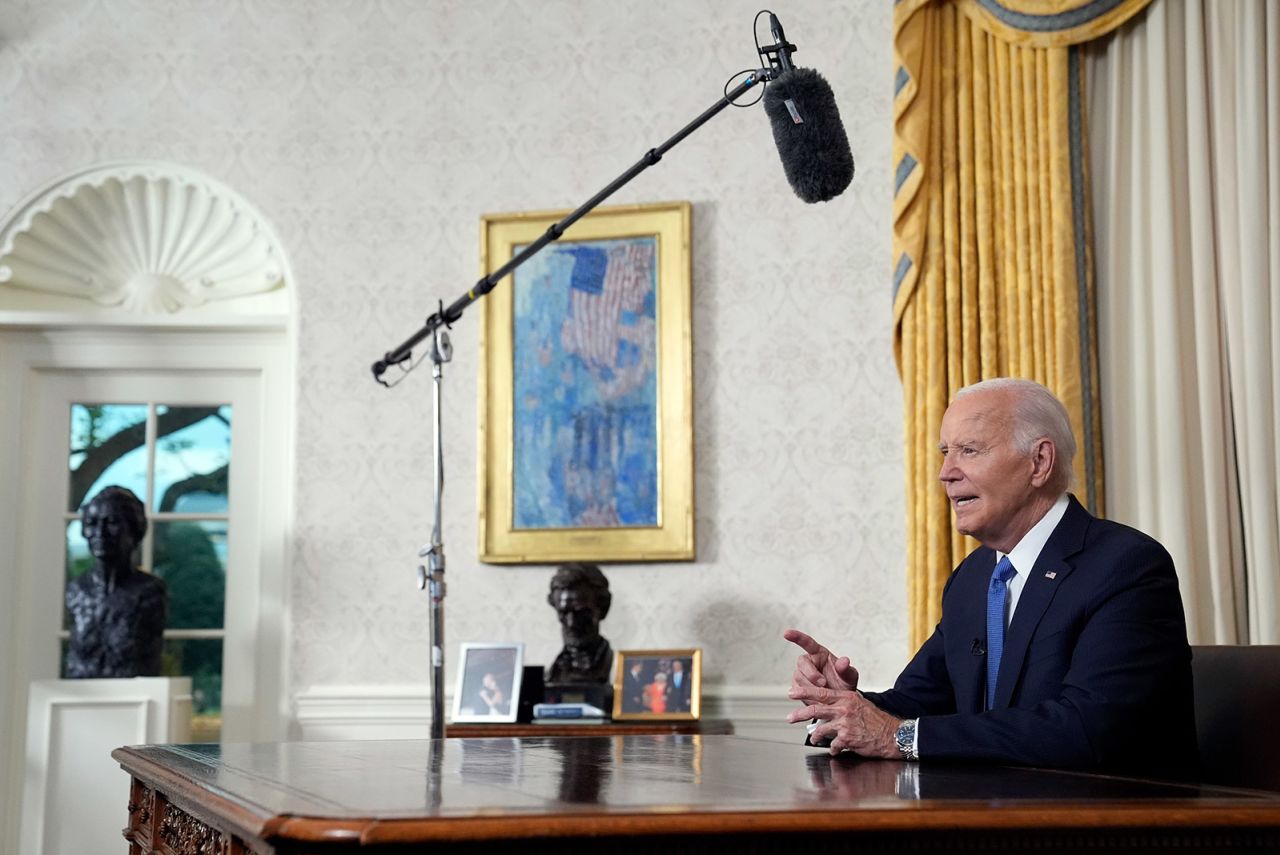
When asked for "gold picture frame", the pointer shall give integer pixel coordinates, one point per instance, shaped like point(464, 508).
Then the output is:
point(594, 334)
point(646, 686)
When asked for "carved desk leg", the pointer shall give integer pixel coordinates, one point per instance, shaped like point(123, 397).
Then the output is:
point(140, 832)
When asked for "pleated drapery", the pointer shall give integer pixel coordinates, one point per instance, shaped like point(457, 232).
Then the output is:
point(992, 266)
point(1188, 206)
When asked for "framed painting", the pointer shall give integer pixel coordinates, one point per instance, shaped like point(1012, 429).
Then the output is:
point(658, 685)
point(586, 423)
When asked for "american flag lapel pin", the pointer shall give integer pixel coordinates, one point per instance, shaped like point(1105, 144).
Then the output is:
point(1052, 574)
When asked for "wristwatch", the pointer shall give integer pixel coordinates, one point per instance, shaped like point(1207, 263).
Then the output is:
point(906, 739)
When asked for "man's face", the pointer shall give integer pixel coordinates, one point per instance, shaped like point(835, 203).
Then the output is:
point(105, 525)
point(988, 482)
point(579, 619)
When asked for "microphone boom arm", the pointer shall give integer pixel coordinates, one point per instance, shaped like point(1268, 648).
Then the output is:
point(447, 315)
point(432, 575)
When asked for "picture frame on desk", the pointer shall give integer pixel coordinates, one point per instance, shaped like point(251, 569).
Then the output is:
point(586, 420)
point(488, 687)
point(658, 685)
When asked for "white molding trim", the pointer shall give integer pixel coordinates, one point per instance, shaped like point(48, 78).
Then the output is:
point(142, 238)
point(73, 727)
point(403, 711)
point(190, 322)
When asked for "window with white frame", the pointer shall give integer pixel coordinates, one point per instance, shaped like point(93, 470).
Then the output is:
point(177, 460)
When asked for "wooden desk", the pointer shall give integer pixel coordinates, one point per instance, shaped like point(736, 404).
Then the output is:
point(716, 726)
point(669, 793)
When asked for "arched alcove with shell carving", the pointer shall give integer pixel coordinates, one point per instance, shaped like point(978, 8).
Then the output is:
point(147, 284)
point(148, 240)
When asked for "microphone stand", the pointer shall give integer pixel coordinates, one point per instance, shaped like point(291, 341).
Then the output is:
point(432, 576)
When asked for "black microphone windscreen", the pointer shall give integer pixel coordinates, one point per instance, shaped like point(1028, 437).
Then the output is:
point(815, 152)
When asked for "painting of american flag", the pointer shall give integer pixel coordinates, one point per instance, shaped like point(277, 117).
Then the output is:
point(586, 387)
point(585, 408)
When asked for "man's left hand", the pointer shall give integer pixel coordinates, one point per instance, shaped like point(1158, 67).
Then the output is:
point(849, 720)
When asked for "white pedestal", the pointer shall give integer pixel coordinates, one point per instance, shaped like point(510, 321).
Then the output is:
point(75, 797)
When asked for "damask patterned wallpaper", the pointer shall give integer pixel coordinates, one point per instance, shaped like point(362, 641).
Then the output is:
point(373, 134)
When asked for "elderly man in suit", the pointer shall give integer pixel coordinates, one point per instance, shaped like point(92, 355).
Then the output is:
point(1062, 640)
point(678, 687)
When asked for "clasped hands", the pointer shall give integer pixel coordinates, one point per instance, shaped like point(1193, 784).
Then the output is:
point(827, 686)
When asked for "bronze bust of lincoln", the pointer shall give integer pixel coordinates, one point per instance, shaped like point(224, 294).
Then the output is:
point(580, 595)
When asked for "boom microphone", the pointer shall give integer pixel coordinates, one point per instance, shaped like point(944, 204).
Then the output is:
point(806, 127)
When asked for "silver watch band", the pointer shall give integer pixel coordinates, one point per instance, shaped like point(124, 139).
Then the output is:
point(906, 740)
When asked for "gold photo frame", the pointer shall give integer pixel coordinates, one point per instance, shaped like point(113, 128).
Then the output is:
point(593, 338)
point(658, 685)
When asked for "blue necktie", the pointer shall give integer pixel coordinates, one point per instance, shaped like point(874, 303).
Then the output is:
point(996, 594)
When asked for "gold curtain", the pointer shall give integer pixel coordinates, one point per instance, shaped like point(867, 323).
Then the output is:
point(992, 267)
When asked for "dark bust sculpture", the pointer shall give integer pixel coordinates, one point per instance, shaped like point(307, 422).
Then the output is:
point(580, 595)
point(117, 612)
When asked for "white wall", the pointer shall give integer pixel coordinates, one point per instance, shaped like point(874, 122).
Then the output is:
point(374, 135)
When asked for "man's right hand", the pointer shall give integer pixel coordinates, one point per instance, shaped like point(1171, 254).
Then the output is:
point(818, 667)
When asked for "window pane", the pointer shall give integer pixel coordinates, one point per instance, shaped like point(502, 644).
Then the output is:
point(193, 449)
point(77, 564)
point(108, 446)
point(191, 557)
point(78, 558)
point(201, 660)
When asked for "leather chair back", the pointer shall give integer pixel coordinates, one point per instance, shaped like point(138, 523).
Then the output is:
point(1237, 700)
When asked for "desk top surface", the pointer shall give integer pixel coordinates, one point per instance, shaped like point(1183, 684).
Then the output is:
point(496, 787)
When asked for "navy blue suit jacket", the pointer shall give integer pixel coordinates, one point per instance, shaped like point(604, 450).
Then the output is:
point(1096, 669)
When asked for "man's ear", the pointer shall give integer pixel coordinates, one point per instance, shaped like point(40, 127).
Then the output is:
point(1043, 457)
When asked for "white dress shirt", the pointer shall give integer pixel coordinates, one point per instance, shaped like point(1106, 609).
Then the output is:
point(1024, 556)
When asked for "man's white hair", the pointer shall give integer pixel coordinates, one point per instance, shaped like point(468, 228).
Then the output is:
point(1037, 414)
